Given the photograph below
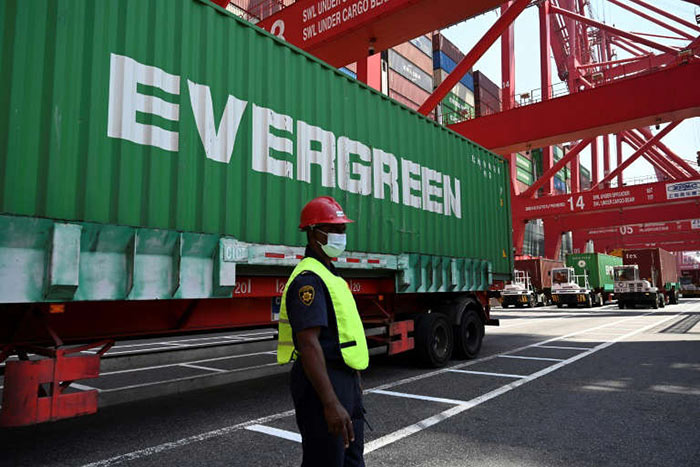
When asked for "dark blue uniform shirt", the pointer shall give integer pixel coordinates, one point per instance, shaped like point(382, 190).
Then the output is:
point(309, 305)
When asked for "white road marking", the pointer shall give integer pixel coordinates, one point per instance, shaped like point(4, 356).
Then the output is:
point(170, 365)
point(83, 387)
point(205, 368)
point(562, 347)
point(417, 396)
point(486, 373)
point(146, 452)
point(268, 430)
point(430, 421)
point(523, 357)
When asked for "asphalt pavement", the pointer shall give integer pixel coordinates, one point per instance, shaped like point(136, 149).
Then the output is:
point(551, 387)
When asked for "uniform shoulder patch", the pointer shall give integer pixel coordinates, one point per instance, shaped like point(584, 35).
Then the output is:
point(307, 294)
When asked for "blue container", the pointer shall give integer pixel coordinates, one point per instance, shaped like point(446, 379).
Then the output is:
point(440, 60)
point(350, 73)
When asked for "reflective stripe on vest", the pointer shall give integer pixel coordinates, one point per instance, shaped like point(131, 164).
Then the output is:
point(351, 334)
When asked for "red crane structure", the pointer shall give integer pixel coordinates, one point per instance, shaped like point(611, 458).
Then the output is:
point(601, 96)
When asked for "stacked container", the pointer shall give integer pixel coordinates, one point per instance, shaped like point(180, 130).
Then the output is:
point(458, 105)
point(487, 95)
point(410, 74)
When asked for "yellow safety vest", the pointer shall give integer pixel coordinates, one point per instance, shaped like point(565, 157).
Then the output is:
point(351, 334)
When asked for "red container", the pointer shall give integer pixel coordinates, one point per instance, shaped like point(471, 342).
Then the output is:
point(400, 85)
point(487, 86)
point(655, 265)
point(414, 55)
point(440, 42)
point(538, 269)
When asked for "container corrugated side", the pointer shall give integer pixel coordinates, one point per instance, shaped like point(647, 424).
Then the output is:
point(414, 55)
point(598, 267)
point(464, 93)
point(442, 61)
point(59, 161)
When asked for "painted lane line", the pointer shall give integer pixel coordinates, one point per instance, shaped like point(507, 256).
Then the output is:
point(205, 368)
point(83, 387)
point(430, 421)
point(185, 378)
point(486, 373)
point(170, 365)
point(562, 347)
point(417, 396)
point(268, 430)
point(146, 452)
point(430, 374)
point(523, 357)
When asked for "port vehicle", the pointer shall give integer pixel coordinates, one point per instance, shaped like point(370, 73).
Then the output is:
point(153, 182)
point(519, 292)
point(539, 271)
point(649, 278)
point(598, 268)
point(572, 290)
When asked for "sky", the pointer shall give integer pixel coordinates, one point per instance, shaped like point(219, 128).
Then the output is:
point(683, 140)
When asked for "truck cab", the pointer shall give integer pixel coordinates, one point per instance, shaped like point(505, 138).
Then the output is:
point(631, 290)
point(519, 292)
point(571, 289)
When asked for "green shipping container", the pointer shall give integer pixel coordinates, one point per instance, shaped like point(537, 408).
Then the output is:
point(178, 118)
point(598, 267)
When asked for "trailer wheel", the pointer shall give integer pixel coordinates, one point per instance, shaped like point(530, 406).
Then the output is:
point(662, 301)
point(673, 299)
point(589, 301)
point(434, 339)
point(469, 335)
point(532, 302)
point(655, 305)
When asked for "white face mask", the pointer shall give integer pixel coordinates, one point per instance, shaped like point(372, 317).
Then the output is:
point(335, 245)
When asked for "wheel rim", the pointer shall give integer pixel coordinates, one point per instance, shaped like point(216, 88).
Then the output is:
point(440, 342)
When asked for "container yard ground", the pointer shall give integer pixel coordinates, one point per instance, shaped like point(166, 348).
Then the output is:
point(603, 387)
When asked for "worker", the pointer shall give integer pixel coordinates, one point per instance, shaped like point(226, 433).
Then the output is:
point(320, 329)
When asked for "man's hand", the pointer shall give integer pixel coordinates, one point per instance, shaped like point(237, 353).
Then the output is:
point(337, 418)
point(339, 422)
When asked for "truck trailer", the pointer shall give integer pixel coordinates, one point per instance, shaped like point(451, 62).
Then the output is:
point(598, 267)
point(156, 158)
point(689, 280)
point(649, 277)
point(538, 270)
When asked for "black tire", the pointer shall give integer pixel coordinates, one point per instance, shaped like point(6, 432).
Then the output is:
point(600, 299)
point(559, 305)
point(673, 298)
point(655, 305)
point(434, 339)
point(518, 305)
point(662, 301)
point(620, 305)
point(468, 335)
point(589, 301)
point(532, 302)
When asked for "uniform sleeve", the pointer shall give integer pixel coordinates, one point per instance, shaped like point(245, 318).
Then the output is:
point(306, 303)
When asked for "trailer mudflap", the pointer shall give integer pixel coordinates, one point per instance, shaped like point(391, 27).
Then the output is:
point(26, 401)
point(404, 342)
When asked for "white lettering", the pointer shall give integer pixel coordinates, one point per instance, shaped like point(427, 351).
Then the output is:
point(410, 184)
point(452, 199)
point(381, 159)
point(125, 74)
point(324, 157)
point(263, 141)
point(363, 184)
point(218, 144)
point(430, 190)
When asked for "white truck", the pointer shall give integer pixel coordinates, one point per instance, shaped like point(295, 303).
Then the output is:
point(573, 289)
point(520, 292)
point(630, 290)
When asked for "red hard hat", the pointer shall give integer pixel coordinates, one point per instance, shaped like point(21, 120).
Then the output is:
point(322, 210)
